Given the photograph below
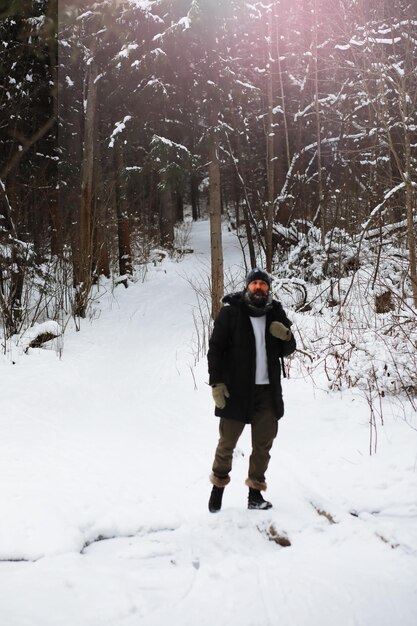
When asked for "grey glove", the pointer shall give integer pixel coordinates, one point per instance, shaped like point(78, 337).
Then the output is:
point(280, 331)
point(220, 393)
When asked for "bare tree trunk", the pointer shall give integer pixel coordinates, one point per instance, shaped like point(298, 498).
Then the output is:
point(410, 211)
point(411, 241)
point(101, 257)
point(406, 168)
point(123, 223)
point(241, 177)
point(167, 212)
point(320, 206)
point(270, 154)
point(69, 193)
point(55, 216)
point(406, 109)
point(87, 196)
point(194, 197)
point(11, 296)
point(16, 290)
point(282, 95)
point(217, 279)
point(249, 236)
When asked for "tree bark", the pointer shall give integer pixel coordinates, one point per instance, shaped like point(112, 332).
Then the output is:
point(101, 258)
point(270, 155)
point(409, 172)
point(320, 205)
point(217, 279)
point(241, 177)
point(123, 223)
point(167, 213)
point(194, 197)
point(410, 211)
point(87, 195)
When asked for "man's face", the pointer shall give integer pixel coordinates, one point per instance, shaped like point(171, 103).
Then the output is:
point(258, 292)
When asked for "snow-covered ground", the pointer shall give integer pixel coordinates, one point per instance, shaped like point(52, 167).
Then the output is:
point(104, 462)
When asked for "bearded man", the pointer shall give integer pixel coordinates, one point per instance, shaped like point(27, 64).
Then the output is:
point(251, 335)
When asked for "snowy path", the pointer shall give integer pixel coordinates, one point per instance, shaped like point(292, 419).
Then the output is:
point(104, 463)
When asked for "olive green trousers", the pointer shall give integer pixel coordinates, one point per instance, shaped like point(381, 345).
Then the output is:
point(264, 429)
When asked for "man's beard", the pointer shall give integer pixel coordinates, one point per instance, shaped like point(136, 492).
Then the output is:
point(258, 298)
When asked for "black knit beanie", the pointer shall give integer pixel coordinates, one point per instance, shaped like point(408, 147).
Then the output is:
point(258, 274)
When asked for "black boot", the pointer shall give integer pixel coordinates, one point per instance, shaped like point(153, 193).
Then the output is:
point(256, 501)
point(215, 502)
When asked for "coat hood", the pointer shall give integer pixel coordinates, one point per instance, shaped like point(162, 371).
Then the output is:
point(233, 298)
point(237, 298)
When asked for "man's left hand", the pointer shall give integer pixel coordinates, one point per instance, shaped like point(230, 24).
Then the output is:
point(279, 331)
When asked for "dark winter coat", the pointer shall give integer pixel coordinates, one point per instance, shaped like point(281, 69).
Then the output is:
point(232, 356)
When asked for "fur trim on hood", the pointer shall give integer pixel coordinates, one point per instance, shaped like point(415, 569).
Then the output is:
point(239, 298)
point(233, 298)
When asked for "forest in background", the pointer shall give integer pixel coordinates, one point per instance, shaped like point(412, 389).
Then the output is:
point(294, 122)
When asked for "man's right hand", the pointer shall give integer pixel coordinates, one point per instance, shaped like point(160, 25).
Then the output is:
point(220, 393)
